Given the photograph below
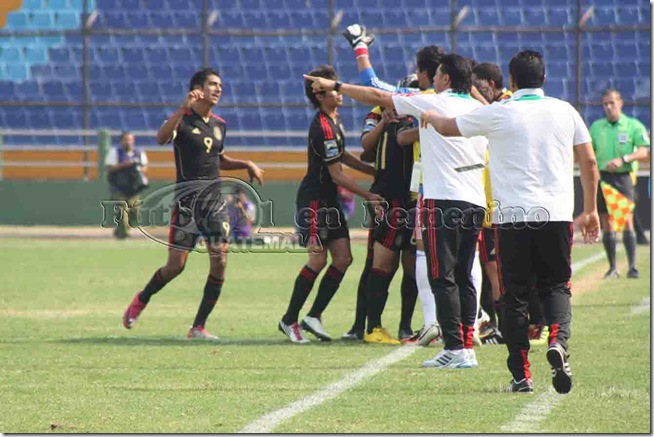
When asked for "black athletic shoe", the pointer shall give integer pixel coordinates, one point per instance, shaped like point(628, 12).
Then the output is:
point(495, 337)
point(561, 373)
point(642, 240)
point(523, 386)
point(405, 334)
point(633, 273)
point(353, 335)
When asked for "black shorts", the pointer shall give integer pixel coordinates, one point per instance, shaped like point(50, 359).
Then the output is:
point(202, 213)
point(487, 245)
point(319, 223)
point(393, 228)
point(621, 182)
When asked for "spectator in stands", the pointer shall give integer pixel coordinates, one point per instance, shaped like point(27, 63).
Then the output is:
point(347, 202)
point(323, 227)
point(618, 141)
point(199, 210)
point(531, 170)
point(126, 167)
point(242, 214)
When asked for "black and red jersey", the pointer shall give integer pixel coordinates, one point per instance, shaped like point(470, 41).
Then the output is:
point(393, 163)
point(198, 144)
point(326, 145)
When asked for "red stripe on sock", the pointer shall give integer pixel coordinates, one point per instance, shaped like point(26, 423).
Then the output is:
point(554, 330)
point(469, 334)
point(334, 273)
point(525, 363)
point(308, 273)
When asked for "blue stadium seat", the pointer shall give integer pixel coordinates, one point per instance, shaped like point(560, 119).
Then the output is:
point(42, 20)
point(560, 17)
point(511, 16)
point(18, 20)
point(67, 19)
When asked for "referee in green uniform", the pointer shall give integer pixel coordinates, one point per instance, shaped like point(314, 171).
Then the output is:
point(618, 141)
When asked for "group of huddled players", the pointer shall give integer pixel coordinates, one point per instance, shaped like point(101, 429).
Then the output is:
point(431, 206)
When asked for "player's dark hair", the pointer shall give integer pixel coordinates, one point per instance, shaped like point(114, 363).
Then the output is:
point(527, 69)
point(489, 71)
point(326, 71)
point(200, 77)
point(460, 71)
point(428, 59)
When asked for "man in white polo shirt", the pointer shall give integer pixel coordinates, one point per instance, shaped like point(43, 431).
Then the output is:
point(453, 197)
point(531, 139)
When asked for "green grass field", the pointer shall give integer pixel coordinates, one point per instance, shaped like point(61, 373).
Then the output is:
point(70, 366)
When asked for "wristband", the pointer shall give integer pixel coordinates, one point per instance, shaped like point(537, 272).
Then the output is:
point(624, 159)
point(337, 85)
point(361, 51)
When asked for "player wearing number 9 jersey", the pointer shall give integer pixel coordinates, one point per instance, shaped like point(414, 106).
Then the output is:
point(198, 205)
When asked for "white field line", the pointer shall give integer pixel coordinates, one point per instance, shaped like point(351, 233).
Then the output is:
point(531, 415)
point(268, 422)
point(642, 307)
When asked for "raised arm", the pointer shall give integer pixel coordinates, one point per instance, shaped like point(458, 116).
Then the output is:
point(166, 132)
point(367, 95)
point(445, 126)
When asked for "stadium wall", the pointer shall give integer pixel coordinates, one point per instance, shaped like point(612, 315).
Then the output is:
point(66, 203)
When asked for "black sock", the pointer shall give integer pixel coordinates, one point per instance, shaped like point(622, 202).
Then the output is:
point(328, 287)
point(303, 285)
point(378, 283)
point(360, 314)
point(157, 282)
point(608, 239)
point(409, 293)
point(212, 290)
point(629, 240)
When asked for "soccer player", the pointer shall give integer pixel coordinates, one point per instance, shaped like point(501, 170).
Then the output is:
point(531, 172)
point(391, 228)
point(618, 141)
point(319, 216)
point(197, 135)
point(454, 201)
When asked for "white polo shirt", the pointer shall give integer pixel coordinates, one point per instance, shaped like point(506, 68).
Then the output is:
point(451, 166)
point(531, 139)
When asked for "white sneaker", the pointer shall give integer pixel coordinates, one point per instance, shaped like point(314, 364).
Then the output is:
point(429, 334)
point(471, 358)
point(293, 332)
point(314, 326)
point(448, 359)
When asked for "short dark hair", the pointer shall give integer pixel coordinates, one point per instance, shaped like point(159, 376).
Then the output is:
point(200, 77)
point(429, 58)
point(527, 69)
point(326, 71)
point(460, 71)
point(489, 71)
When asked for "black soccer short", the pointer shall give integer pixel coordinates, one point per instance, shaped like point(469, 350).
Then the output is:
point(620, 181)
point(393, 226)
point(487, 245)
point(199, 214)
point(319, 222)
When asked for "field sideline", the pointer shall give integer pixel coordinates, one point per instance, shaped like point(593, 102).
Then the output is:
point(71, 367)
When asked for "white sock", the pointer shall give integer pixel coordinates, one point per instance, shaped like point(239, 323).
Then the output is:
point(477, 277)
point(424, 289)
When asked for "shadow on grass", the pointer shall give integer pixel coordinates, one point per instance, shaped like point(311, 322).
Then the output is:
point(179, 341)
